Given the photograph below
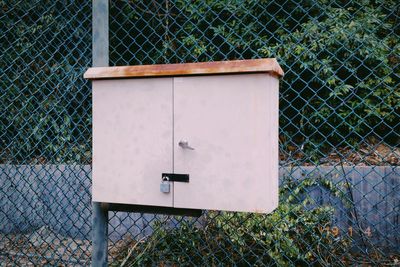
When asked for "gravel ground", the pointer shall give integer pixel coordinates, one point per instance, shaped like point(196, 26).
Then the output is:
point(366, 155)
point(43, 247)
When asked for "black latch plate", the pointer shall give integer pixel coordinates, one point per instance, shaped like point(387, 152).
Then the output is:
point(176, 177)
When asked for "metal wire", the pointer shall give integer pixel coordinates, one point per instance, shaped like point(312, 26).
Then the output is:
point(339, 131)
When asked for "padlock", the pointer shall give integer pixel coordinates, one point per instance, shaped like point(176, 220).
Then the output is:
point(165, 185)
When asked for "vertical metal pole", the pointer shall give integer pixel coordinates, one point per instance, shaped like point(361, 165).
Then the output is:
point(100, 50)
point(100, 33)
point(100, 235)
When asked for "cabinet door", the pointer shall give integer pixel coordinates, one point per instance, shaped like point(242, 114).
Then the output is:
point(231, 121)
point(132, 140)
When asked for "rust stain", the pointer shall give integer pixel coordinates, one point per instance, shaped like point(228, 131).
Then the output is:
point(266, 65)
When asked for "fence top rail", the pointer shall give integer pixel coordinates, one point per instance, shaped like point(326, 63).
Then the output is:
point(265, 65)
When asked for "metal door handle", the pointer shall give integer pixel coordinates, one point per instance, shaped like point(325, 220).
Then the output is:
point(185, 145)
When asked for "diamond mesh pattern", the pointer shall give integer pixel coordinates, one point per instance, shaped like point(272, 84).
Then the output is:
point(45, 133)
point(339, 131)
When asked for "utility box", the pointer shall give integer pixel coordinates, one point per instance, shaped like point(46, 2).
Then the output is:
point(196, 136)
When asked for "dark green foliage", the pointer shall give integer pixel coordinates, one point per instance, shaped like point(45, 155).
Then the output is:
point(344, 67)
point(294, 234)
point(341, 58)
point(44, 101)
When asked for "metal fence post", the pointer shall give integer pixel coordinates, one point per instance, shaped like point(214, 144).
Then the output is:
point(100, 59)
point(100, 29)
point(100, 235)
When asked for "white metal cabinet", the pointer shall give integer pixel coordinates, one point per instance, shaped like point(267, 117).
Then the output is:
point(132, 140)
point(230, 120)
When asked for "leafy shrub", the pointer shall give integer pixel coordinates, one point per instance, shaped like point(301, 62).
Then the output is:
point(44, 101)
point(341, 58)
point(292, 235)
point(343, 74)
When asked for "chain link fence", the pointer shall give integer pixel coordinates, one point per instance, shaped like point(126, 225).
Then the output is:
point(339, 131)
point(45, 133)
